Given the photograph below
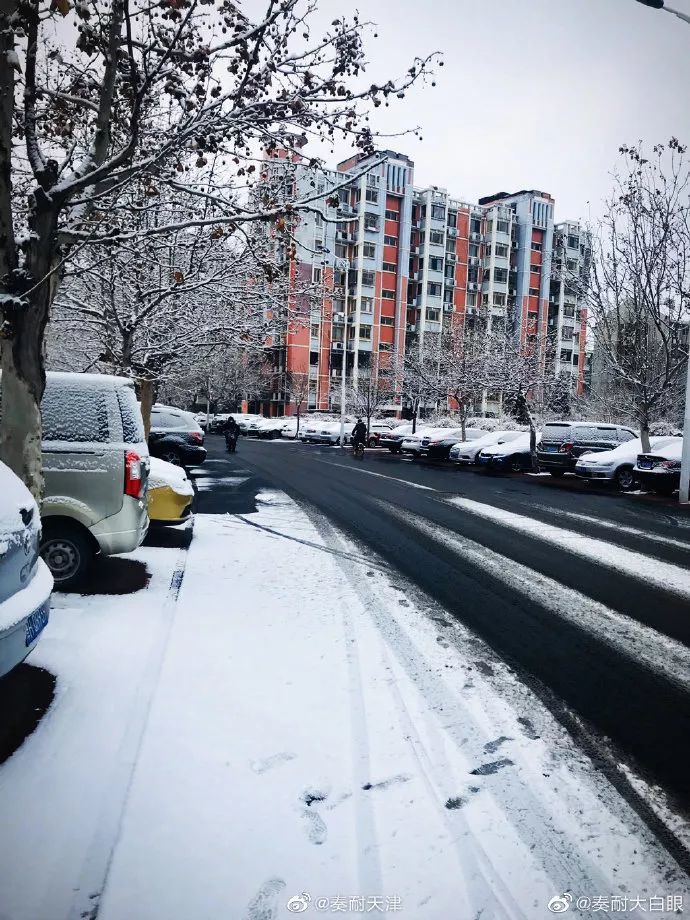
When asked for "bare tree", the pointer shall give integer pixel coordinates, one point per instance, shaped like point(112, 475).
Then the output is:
point(638, 290)
point(373, 388)
point(149, 93)
point(296, 388)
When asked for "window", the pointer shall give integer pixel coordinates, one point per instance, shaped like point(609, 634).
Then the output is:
point(365, 332)
point(452, 218)
point(573, 242)
point(502, 226)
point(314, 330)
point(385, 346)
point(489, 227)
point(369, 250)
point(434, 316)
point(372, 195)
point(436, 263)
point(436, 237)
point(318, 244)
point(371, 221)
point(316, 275)
point(502, 250)
point(534, 292)
point(390, 240)
point(438, 212)
point(566, 333)
point(388, 295)
point(389, 267)
point(536, 269)
point(475, 225)
point(367, 305)
point(566, 356)
point(75, 414)
point(132, 422)
point(388, 321)
point(318, 220)
point(433, 289)
point(392, 215)
point(485, 300)
point(448, 296)
point(499, 300)
point(471, 300)
point(536, 247)
point(474, 250)
point(367, 279)
point(501, 275)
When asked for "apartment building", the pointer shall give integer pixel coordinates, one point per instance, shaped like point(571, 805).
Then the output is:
point(572, 254)
point(410, 262)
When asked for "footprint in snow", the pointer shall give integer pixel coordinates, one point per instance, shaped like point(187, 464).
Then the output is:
point(264, 904)
point(457, 801)
point(317, 832)
point(385, 783)
point(487, 769)
point(261, 766)
point(529, 728)
point(492, 746)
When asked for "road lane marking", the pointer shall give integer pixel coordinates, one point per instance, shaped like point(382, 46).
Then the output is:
point(612, 525)
point(358, 469)
point(656, 651)
point(647, 569)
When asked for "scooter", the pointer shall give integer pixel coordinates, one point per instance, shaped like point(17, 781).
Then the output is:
point(231, 443)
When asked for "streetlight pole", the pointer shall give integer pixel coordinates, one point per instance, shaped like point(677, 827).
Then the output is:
point(345, 267)
point(684, 496)
point(660, 5)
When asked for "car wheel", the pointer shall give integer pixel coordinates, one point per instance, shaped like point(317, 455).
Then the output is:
point(556, 473)
point(515, 464)
point(171, 456)
point(67, 552)
point(625, 478)
point(372, 442)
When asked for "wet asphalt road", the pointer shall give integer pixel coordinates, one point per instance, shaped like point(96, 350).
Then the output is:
point(616, 705)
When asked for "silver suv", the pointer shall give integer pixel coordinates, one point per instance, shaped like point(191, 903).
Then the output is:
point(96, 462)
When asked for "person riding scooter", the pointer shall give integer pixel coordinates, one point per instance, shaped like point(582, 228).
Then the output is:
point(231, 430)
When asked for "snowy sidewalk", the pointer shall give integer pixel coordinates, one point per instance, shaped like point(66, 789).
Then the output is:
point(315, 738)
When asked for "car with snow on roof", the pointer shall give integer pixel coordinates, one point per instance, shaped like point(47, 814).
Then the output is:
point(563, 443)
point(466, 452)
point(659, 470)
point(618, 465)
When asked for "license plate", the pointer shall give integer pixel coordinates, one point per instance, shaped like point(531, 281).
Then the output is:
point(35, 624)
point(645, 464)
point(551, 449)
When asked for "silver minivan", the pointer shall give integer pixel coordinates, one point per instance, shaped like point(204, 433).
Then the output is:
point(95, 462)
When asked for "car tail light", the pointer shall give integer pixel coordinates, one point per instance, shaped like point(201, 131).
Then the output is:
point(564, 448)
point(134, 481)
point(671, 464)
point(197, 436)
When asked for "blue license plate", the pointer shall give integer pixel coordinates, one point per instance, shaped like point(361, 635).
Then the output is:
point(483, 460)
point(551, 449)
point(645, 464)
point(36, 623)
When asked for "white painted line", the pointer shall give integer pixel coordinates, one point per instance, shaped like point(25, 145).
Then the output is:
point(636, 641)
point(647, 569)
point(612, 525)
point(359, 469)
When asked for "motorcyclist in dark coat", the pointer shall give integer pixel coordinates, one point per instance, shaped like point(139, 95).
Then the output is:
point(359, 433)
point(232, 432)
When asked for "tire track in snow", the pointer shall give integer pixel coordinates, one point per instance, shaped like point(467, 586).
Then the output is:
point(534, 826)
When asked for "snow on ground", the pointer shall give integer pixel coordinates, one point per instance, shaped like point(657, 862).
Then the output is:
point(302, 723)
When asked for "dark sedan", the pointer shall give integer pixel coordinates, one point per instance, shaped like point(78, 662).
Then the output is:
point(439, 448)
point(660, 471)
point(176, 437)
point(393, 439)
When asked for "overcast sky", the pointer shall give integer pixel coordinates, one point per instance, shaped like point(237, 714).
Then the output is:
point(533, 93)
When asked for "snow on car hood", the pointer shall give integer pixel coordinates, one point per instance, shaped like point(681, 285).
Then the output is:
point(16, 499)
point(164, 474)
point(517, 444)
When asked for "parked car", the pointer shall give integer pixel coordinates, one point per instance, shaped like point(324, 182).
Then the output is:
point(244, 420)
point(379, 429)
point(412, 443)
point(563, 443)
point(467, 451)
point(320, 432)
point(95, 463)
point(659, 471)
point(217, 422)
point(170, 494)
point(289, 428)
point(438, 448)
point(25, 579)
point(176, 436)
point(266, 428)
point(203, 420)
point(617, 465)
point(513, 455)
point(394, 438)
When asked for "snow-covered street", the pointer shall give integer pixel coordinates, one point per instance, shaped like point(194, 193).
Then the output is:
point(299, 722)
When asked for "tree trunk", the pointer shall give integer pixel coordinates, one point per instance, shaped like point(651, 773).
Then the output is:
point(146, 396)
point(644, 434)
point(297, 432)
point(20, 432)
